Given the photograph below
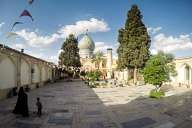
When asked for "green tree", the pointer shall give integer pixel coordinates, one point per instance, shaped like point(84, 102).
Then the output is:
point(69, 57)
point(133, 51)
point(94, 75)
point(97, 58)
point(158, 69)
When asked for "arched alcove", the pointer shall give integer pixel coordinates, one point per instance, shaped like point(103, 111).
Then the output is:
point(8, 73)
point(184, 74)
point(49, 74)
point(187, 72)
point(44, 74)
point(35, 73)
point(25, 72)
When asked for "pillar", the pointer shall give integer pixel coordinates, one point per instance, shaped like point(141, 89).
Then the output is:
point(109, 63)
point(30, 72)
point(126, 74)
point(18, 70)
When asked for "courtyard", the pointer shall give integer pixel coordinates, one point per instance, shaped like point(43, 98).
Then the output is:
point(95, 64)
point(74, 105)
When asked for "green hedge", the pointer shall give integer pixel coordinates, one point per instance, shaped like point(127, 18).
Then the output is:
point(156, 94)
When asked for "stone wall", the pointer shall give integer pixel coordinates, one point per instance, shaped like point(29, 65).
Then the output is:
point(122, 75)
point(19, 69)
point(184, 72)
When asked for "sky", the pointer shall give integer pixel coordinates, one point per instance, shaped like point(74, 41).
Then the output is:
point(169, 23)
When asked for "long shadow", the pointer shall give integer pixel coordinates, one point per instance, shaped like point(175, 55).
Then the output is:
point(75, 105)
point(174, 111)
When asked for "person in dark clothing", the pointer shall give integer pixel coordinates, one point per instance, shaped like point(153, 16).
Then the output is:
point(39, 107)
point(22, 104)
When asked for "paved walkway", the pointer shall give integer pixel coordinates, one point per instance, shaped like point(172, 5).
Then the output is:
point(74, 105)
point(65, 105)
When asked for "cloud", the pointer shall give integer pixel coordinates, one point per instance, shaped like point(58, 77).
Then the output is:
point(35, 40)
point(93, 25)
point(18, 46)
point(102, 46)
point(162, 42)
point(40, 55)
point(55, 58)
point(43, 55)
point(154, 51)
point(1, 24)
point(168, 43)
point(153, 31)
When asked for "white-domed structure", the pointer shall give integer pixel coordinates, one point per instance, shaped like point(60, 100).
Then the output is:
point(86, 47)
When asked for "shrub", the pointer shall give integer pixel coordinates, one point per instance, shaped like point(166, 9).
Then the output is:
point(93, 75)
point(158, 69)
point(156, 94)
point(93, 85)
point(104, 85)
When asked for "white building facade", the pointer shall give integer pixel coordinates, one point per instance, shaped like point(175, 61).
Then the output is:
point(184, 72)
point(19, 69)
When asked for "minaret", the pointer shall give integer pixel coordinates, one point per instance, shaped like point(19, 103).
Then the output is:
point(109, 63)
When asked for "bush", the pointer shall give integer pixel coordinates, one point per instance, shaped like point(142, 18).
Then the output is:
point(156, 94)
point(158, 69)
point(104, 84)
point(93, 85)
point(93, 75)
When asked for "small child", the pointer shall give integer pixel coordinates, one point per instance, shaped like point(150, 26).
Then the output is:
point(39, 107)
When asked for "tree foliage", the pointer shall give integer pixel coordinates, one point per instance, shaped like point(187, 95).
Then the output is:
point(97, 58)
point(69, 57)
point(133, 51)
point(159, 68)
point(93, 75)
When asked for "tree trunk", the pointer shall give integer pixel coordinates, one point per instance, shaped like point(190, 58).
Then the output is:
point(135, 76)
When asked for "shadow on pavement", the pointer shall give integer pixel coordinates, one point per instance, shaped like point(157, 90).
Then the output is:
point(73, 104)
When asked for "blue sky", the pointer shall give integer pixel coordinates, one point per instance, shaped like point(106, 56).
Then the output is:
point(169, 23)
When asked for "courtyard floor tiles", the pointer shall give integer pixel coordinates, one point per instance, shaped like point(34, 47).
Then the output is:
point(74, 105)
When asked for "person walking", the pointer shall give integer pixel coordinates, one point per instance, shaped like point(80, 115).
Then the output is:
point(22, 104)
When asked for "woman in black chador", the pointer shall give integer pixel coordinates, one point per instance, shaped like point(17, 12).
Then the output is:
point(22, 104)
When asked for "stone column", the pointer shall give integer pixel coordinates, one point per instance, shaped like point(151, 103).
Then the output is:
point(18, 70)
point(126, 74)
point(30, 72)
point(121, 76)
point(40, 66)
point(190, 76)
point(109, 63)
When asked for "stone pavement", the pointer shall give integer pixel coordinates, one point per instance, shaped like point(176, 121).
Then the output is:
point(74, 105)
point(65, 105)
point(131, 108)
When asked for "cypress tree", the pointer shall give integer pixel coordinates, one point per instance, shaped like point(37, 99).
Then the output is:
point(133, 51)
point(69, 57)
